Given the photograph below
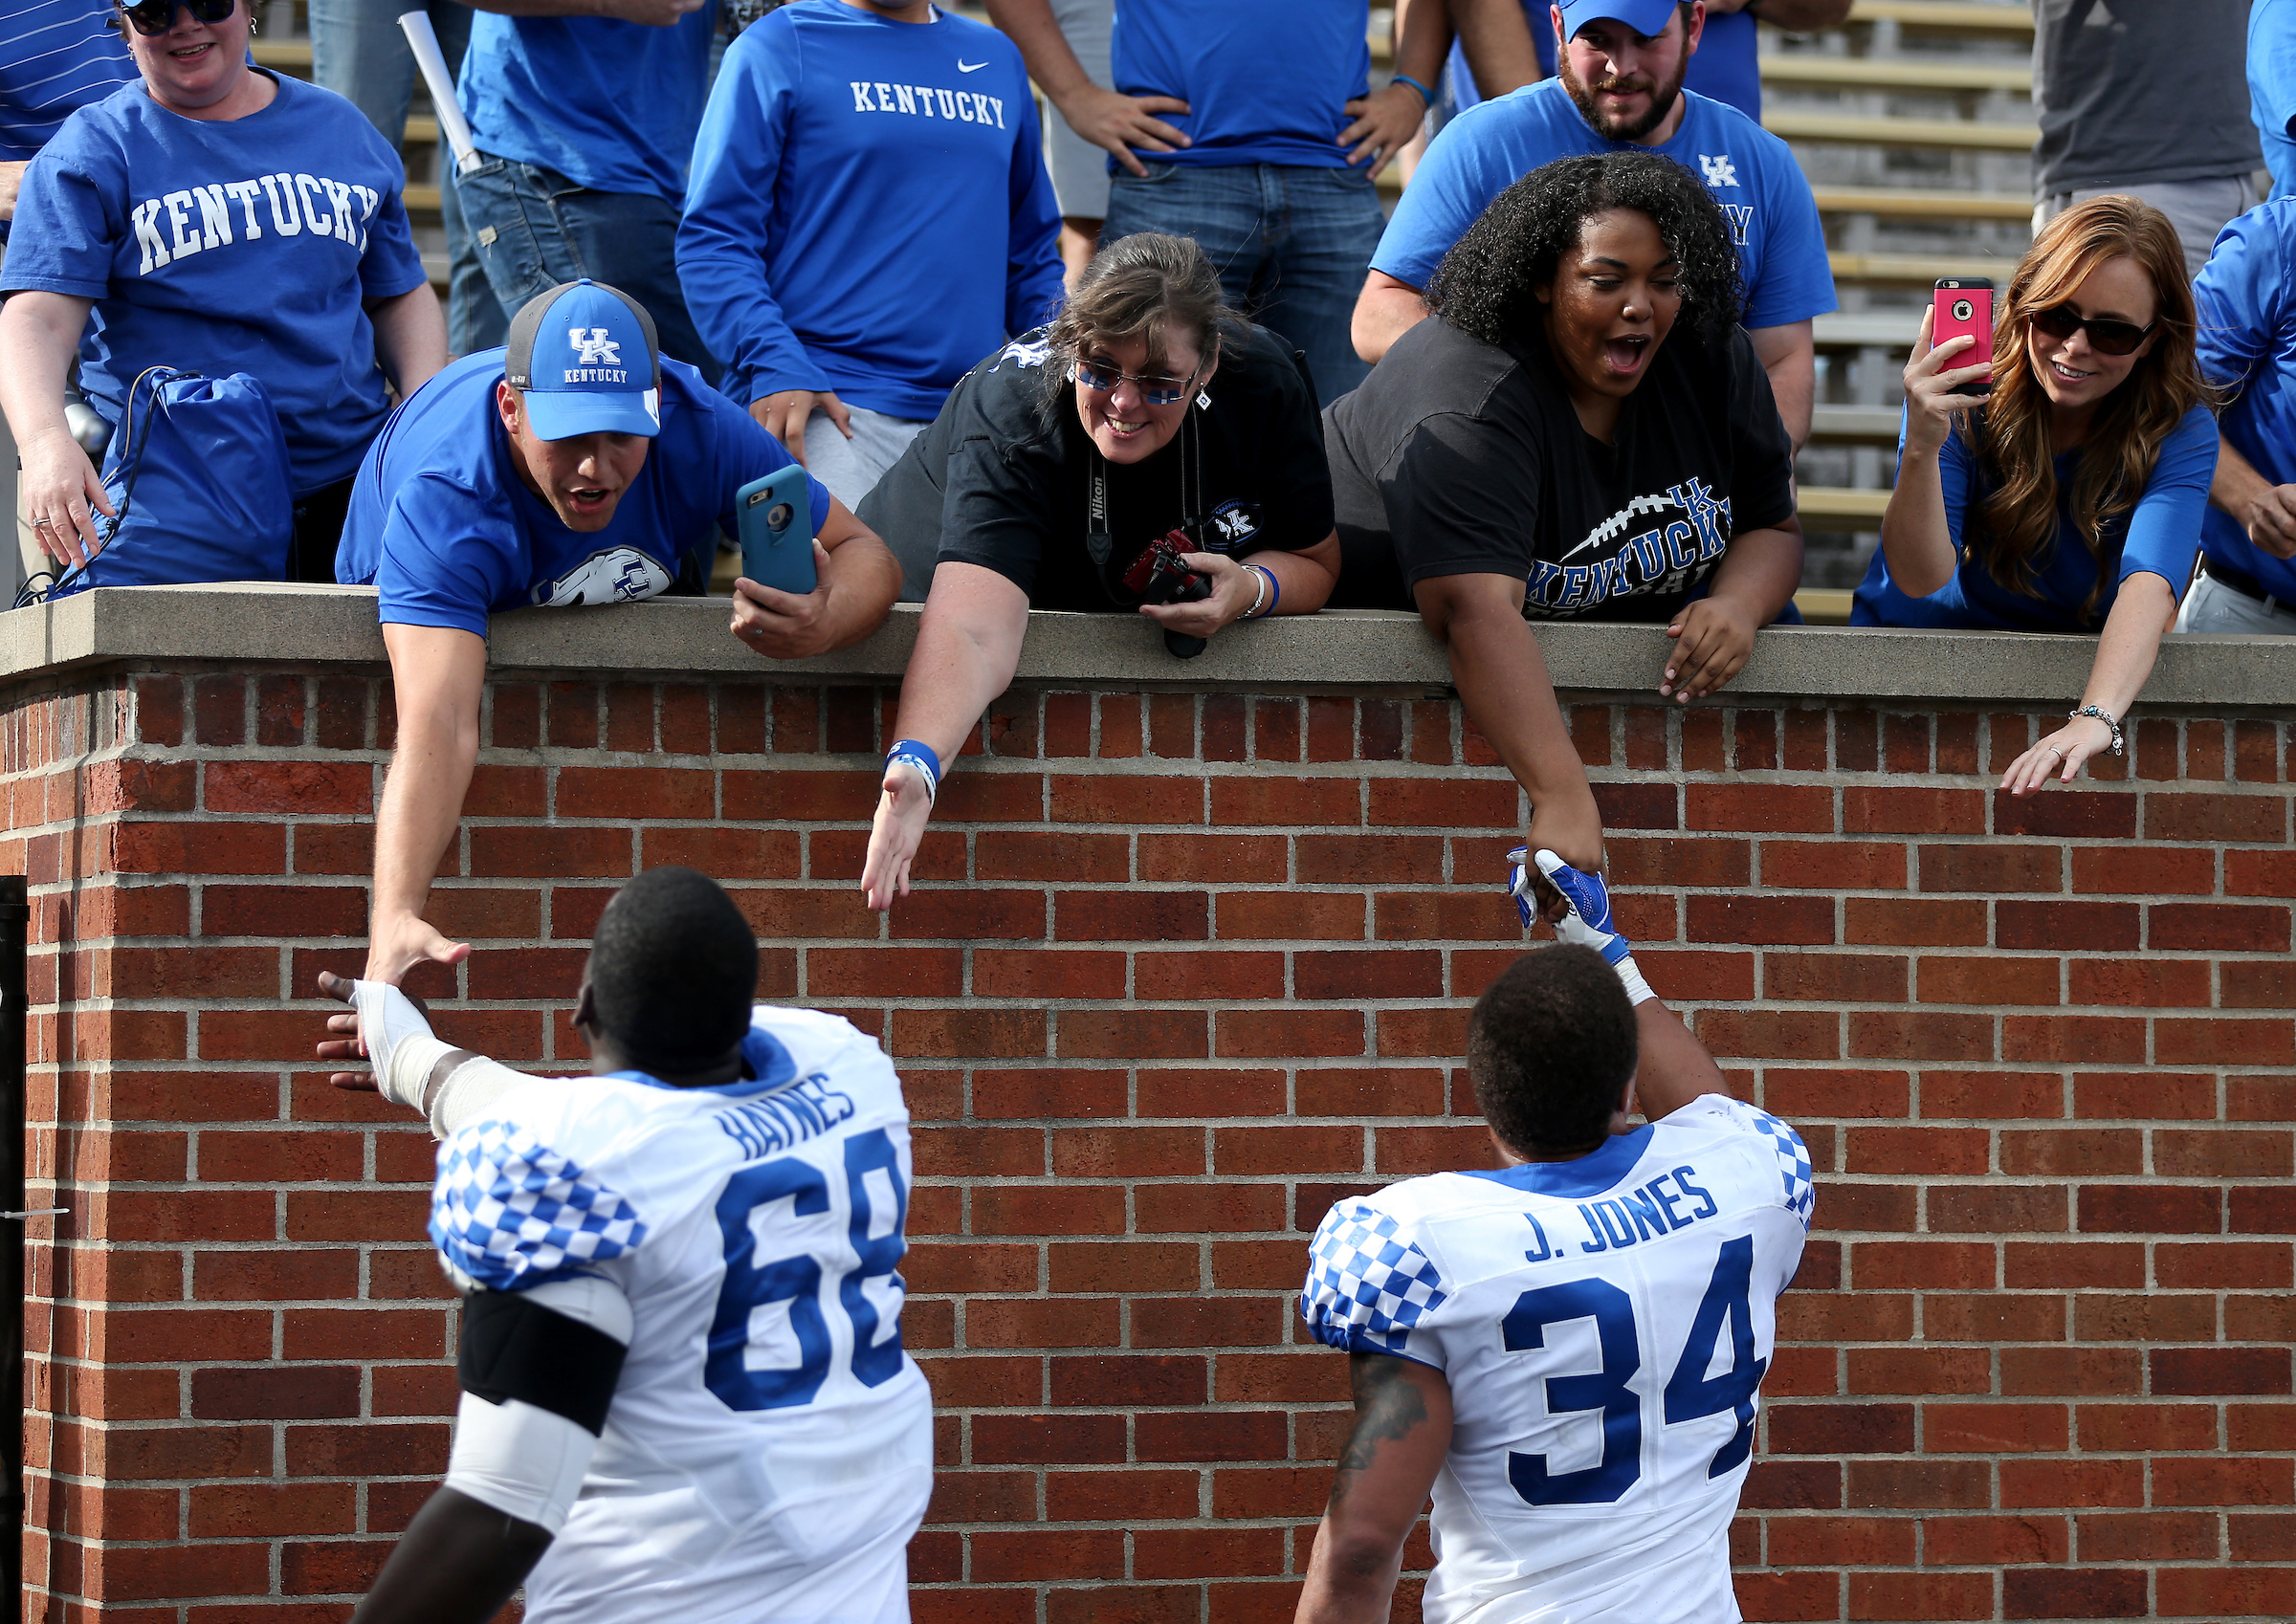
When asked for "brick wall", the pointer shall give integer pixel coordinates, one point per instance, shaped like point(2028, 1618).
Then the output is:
point(1184, 968)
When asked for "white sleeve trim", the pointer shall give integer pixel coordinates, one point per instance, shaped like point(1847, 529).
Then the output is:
point(524, 1461)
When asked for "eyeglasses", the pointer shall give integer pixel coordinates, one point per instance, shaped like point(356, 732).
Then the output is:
point(2105, 335)
point(1162, 390)
point(154, 17)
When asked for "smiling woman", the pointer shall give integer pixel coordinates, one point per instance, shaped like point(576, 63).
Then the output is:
point(2070, 499)
point(218, 219)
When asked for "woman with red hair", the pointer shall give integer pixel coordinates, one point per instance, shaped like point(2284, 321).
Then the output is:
point(2070, 499)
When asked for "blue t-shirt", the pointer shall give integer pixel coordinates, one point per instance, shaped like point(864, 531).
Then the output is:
point(1267, 82)
point(55, 57)
point(1752, 174)
point(2158, 536)
point(870, 212)
point(2248, 298)
point(2272, 88)
point(611, 105)
point(1725, 67)
point(447, 533)
point(241, 246)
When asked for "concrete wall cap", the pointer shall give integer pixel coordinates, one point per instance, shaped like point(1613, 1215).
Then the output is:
point(1337, 650)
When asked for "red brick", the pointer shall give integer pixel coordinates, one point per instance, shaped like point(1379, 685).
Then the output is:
point(1833, 865)
point(2253, 818)
point(1760, 808)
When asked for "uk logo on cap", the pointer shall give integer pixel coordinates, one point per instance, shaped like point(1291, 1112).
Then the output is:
point(603, 374)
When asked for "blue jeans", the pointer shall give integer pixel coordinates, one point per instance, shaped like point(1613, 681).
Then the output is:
point(535, 229)
point(1291, 243)
point(358, 52)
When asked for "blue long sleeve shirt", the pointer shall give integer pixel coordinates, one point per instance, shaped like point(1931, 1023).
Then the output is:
point(869, 211)
point(2248, 298)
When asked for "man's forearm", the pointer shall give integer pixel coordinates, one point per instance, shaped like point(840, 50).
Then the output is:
point(422, 803)
point(1051, 60)
point(1385, 311)
point(864, 579)
point(1351, 1585)
point(1496, 36)
point(1801, 16)
point(1789, 358)
point(411, 338)
point(2236, 487)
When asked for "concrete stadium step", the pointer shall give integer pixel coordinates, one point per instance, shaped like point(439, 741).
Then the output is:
point(1799, 123)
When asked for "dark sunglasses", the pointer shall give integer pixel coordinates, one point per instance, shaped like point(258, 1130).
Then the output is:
point(152, 18)
point(2106, 337)
point(1153, 391)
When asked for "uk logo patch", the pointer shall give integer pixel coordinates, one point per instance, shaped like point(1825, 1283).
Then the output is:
point(1230, 524)
point(1720, 171)
point(616, 574)
point(594, 348)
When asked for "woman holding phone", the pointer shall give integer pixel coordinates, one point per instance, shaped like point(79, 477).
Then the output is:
point(2070, 498)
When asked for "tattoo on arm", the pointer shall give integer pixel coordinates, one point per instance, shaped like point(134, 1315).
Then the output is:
point(1387, 1407)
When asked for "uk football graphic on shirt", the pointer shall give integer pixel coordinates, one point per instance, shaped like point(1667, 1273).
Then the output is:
point(1638, 549)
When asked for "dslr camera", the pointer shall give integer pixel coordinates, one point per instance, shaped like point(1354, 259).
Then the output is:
point(1158, 577)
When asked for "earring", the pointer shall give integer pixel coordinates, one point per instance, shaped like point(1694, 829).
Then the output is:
point(1204, 399)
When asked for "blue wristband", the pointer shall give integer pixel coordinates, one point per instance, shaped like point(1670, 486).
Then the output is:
point(1426, 97)
point(1275, 592)
point(924, 759)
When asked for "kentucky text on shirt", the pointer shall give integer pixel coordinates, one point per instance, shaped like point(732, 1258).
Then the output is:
point(1663, 559)
point(967, 106)
point(165, 228)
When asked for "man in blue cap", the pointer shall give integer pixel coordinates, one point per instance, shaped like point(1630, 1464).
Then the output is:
point(1618, 86)
point(577, 465)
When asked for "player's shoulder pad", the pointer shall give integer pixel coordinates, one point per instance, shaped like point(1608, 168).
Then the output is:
point(1770, 1141)
point(1369, 1284)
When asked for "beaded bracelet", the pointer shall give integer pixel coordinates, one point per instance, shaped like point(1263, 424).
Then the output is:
point(2099, 713)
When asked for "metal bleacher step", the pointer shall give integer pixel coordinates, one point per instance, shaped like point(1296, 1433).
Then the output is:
point(1867, 329)
point(1799, 123)
point(1822, 503)
point(1823, 606)
point(1920, 268)
point(1812, 70)
point(1954, 15)
point(1872, 424)
point(1921, 203)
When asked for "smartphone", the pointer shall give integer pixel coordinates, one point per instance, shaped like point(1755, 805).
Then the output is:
point(776, 515)
point(1964, 306)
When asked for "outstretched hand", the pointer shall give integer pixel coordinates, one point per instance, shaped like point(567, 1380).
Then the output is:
point(899, 830)
point(349, 1045)
point(2059, 756)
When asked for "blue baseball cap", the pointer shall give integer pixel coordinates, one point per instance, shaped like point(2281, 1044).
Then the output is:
point(585, 358)
point(1646, 18)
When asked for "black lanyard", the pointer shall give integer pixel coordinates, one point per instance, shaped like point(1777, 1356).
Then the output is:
point(1099, 545)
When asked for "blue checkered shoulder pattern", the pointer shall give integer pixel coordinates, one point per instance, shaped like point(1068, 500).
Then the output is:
point(511, 1213)
point(1366, 1290)
point(1793, 1163)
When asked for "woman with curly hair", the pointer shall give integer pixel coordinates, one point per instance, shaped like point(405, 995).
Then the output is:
point(2070, 498)
point(1584, 434)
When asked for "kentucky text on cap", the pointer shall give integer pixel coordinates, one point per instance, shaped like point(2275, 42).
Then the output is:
point(585, 358)
point(1646, 18)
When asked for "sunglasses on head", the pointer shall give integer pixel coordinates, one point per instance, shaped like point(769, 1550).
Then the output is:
point(1160, 391)
point(2105, 335)
point(152, 18)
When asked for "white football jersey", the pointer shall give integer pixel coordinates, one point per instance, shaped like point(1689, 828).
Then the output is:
point(1604, 1324)
point(767, 1421)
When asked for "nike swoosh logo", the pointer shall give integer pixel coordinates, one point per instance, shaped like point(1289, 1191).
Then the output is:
point(965, 67)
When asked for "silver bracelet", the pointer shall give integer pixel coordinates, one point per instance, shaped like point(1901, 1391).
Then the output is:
point(1259, 581)
point(2099, 713)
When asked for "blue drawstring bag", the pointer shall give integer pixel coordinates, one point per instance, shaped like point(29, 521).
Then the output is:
point(198, 479)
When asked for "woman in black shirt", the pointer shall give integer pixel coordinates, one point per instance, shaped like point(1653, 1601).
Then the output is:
point(1585, 432)
point(1148, 414)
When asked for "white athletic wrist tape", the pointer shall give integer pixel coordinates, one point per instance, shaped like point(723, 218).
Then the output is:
point(1637, 990)
point(389, 1022)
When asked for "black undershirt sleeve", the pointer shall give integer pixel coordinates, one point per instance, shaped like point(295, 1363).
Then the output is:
point(515, 1348)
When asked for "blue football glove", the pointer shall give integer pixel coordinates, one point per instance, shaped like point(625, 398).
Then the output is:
point(1588, 923)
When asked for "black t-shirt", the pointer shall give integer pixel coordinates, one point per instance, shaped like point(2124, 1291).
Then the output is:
point(1002, 478)
point(1458, 457)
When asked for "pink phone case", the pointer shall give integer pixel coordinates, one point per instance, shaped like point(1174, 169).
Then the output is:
point(1965, 308)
